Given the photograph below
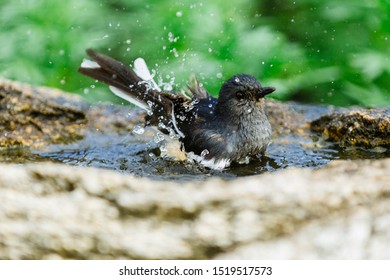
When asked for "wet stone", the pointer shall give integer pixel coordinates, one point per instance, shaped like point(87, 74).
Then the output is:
point(36, 116)
point(367, 128)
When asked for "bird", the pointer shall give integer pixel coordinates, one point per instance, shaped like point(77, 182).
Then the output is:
point(215, 132)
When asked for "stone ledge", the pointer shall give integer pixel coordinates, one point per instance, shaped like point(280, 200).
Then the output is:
point(57, 211)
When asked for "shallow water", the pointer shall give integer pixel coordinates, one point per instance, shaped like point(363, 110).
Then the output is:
point(129, 154)
point(140, 155)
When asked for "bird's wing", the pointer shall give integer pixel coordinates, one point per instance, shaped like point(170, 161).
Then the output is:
point(196, 89)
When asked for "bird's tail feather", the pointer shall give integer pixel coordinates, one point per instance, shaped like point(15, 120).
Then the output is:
point(123, 81)
point(139, 89)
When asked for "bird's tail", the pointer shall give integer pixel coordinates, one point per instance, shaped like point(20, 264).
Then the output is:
point(136, 87)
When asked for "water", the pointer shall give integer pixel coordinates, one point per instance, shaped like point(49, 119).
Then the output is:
point(129, 154)
point(140, 154)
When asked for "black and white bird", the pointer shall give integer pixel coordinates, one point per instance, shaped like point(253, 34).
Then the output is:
point(215, 131)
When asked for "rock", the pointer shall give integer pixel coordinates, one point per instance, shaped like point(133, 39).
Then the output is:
point(33, 116)
point(368, 128)
point(57, 211)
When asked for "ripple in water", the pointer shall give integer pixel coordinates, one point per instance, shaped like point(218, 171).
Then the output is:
point(141, 156)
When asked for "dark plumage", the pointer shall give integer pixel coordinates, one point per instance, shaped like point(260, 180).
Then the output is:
point(229, 129)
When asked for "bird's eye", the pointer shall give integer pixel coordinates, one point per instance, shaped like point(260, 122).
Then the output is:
point(240, 94)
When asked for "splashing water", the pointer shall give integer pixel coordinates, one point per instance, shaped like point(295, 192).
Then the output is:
point(138, 130)
point(204, 153)
point(158, 137)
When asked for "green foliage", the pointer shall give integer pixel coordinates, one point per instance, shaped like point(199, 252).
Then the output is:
point(313, 51)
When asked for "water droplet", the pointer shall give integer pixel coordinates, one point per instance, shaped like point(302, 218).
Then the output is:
point(237, 80)
point(150, 103)
point(166, 86)
point(179, 13)
point(219, 75)
point(138, 130)
point(172, 38)
point(128, 41)
point(158, 137)
point(250, 110)
point(210, 50)
point(204, 153)
point(163, 148)
point(175, 53)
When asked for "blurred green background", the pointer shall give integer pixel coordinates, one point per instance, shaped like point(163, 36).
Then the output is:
point(313, 51)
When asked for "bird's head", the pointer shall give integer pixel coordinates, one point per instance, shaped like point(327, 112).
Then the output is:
point(241, 91)
point(242, 88)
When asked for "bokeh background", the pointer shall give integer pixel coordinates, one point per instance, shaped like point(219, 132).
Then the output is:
point(313, 51)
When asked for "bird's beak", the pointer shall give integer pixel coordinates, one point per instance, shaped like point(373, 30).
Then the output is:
point(264, 91)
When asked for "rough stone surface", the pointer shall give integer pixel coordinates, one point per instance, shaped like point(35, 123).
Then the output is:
point(367, 128)
point(55, 211)
point(34, 116)
point(28, 118)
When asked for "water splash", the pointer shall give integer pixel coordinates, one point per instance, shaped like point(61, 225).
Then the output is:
point(138, 130)
point(204, 153)
point(158, 137)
